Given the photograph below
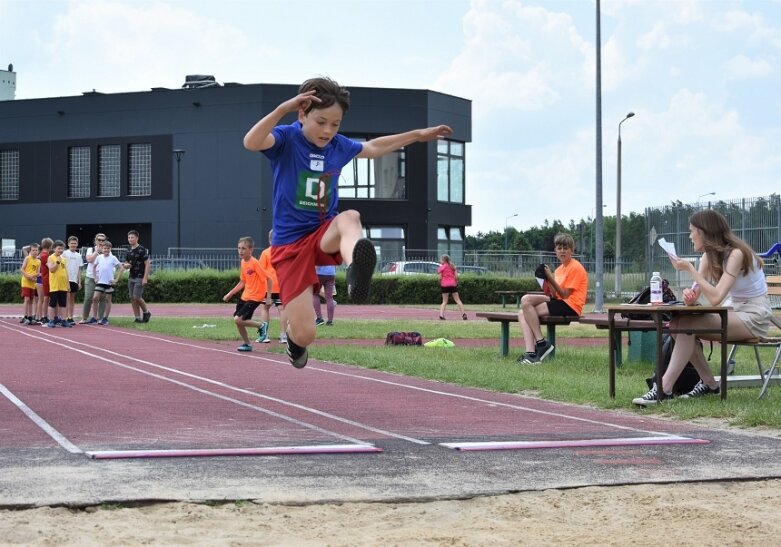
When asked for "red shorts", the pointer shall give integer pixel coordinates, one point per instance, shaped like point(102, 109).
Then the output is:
point(295, 264)
point(27, 292)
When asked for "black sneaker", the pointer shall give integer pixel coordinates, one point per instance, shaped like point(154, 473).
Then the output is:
point(649, 399)
point(701, 389)
point(543, 350)
point(147, 315)
point(529, 358)
point(298, 356)
point(359, 273)
point(319, 321)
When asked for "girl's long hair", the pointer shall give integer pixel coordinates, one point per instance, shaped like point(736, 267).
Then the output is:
point(719, 241)
point(446, 260)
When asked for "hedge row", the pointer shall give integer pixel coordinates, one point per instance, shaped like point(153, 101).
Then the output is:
point(211, 285)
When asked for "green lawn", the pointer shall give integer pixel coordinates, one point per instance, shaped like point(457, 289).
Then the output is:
point(577, 375)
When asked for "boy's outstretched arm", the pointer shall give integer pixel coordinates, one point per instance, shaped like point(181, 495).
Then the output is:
point(384, 145)
point(260, 137)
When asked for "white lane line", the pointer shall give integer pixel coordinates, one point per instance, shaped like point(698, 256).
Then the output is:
point(50, 340)
point(579, 443)
point(223, 385)
point(40, 422)
point(219, 452)
point(433, 391)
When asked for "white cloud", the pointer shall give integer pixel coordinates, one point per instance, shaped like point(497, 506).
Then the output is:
point(741, 67)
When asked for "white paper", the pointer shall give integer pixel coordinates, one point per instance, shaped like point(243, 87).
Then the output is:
point(668, 247)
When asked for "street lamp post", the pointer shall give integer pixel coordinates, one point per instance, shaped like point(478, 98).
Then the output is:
point(618, 209)
point(178, 153)
point(505, 229)
point(703, 195)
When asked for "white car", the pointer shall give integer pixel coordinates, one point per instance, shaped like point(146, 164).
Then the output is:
point(412, 267)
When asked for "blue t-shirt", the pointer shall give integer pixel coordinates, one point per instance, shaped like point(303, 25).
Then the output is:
point(306, 179)
point(326, 270)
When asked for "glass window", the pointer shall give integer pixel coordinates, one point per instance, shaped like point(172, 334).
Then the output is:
point(450, 241)
point(450, 171)
point(109, 169)
point(79, 172)
point(378, 178)
point(140, 170)
point(9, 174)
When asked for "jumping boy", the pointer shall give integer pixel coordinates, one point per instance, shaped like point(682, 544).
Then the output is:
point(30, 269)
point(253, 284)
point(307, 157)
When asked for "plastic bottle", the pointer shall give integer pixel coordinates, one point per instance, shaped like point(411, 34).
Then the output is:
point(656, 289)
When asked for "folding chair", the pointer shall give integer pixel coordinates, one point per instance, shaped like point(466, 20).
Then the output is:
point(765, 375)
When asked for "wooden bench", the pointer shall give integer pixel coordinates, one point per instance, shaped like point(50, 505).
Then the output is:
point(505, 319)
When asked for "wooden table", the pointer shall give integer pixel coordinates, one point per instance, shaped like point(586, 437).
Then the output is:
point(615, 328)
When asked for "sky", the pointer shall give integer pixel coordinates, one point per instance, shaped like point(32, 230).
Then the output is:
point(703, 78)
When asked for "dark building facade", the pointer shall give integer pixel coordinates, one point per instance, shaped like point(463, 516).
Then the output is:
point(171, 164)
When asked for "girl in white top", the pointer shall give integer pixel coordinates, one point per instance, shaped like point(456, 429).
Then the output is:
point(730, 274)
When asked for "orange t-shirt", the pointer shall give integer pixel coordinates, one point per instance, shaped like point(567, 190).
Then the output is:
point(265, 263)
point(254, 279)
point(573, 276)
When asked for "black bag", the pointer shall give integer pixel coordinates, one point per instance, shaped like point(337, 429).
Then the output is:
point(644, 297)
point(403, 339)
point(689, 375)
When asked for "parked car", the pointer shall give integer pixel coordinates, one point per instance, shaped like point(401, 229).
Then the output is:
point(177, 264)
point(474, 270)
point(412, 267)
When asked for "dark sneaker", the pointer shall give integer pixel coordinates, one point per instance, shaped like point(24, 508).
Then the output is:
point(543, 350)
point(92, 321)
point(319, 321)
point(137, 320)
point(529, 358)
point(147, 315)
point(329, 323)
point(359, 273)
point(649, 399)
point(50, 324)
point(244, 347)
point(103, 322)
point(298, 356)
point(701, 389)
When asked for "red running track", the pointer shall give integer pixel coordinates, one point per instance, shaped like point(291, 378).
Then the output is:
point(111, 389)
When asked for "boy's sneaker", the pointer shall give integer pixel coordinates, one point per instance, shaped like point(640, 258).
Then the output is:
point(283, 338)
point(146, 316)
point(23, 321)
point(137, 320)
point(244, 347)
point(329, 323)
point(66, 323)
point(83, 321)
point(701, 389)
point(649, 399)
point(92, 321)
point(359, 273)
point(543, 350)
point(319, 321)
point(263, 333)
point(50, 324)
point(103, 322)
point(298, 356)
point(529, 358)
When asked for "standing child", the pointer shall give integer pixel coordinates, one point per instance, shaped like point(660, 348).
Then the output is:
point(307, 157)
point(89, 280)
point(272, 298)
point(58, 286)
point(448, 283)
point(137, 261)
point(30, 269)
point(74, 275)
point(252, 282)
point(106, 264)
point(42, 283)
point(326, 275)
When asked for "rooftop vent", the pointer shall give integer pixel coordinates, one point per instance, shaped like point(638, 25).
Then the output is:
point(197, 81)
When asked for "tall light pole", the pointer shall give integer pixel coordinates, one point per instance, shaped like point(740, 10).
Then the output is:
point(178, 153)
point(505, 229)
point(703, 195)
point(599, 288)
point(618, 209)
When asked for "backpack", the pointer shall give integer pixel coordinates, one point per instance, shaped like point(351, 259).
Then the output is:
point(689, 375)
point(403, 339)
point(644, 297)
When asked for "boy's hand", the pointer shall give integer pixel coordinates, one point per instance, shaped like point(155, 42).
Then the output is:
point(437, 132)
point(227, 297)
point(301, 101)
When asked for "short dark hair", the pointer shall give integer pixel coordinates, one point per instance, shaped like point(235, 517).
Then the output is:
point(59, 243)
point(328, 91)
point(133, 232)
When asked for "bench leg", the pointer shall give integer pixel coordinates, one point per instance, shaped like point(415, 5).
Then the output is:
point(504, 300)
point(616, 348)
point(504, 339)
point(552, 339)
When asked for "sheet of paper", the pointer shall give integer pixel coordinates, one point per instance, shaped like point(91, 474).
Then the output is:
point(668, 247)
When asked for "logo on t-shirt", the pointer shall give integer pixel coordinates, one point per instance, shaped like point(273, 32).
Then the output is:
point(313, 192)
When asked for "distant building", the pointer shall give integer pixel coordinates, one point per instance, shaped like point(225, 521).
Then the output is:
point(112, 162)
point(8, 84)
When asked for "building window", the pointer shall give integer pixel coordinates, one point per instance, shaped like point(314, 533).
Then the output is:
point(9, 174)
point(78, 172)
point(109, 170)
point(450, 171)
point(139, 170)
point(378, 178)
point(388, 242)
point(450, 241)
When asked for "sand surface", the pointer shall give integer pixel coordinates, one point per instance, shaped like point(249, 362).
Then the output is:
point(702, 514)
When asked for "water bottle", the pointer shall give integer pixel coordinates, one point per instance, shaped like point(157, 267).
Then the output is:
point(656, 289)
